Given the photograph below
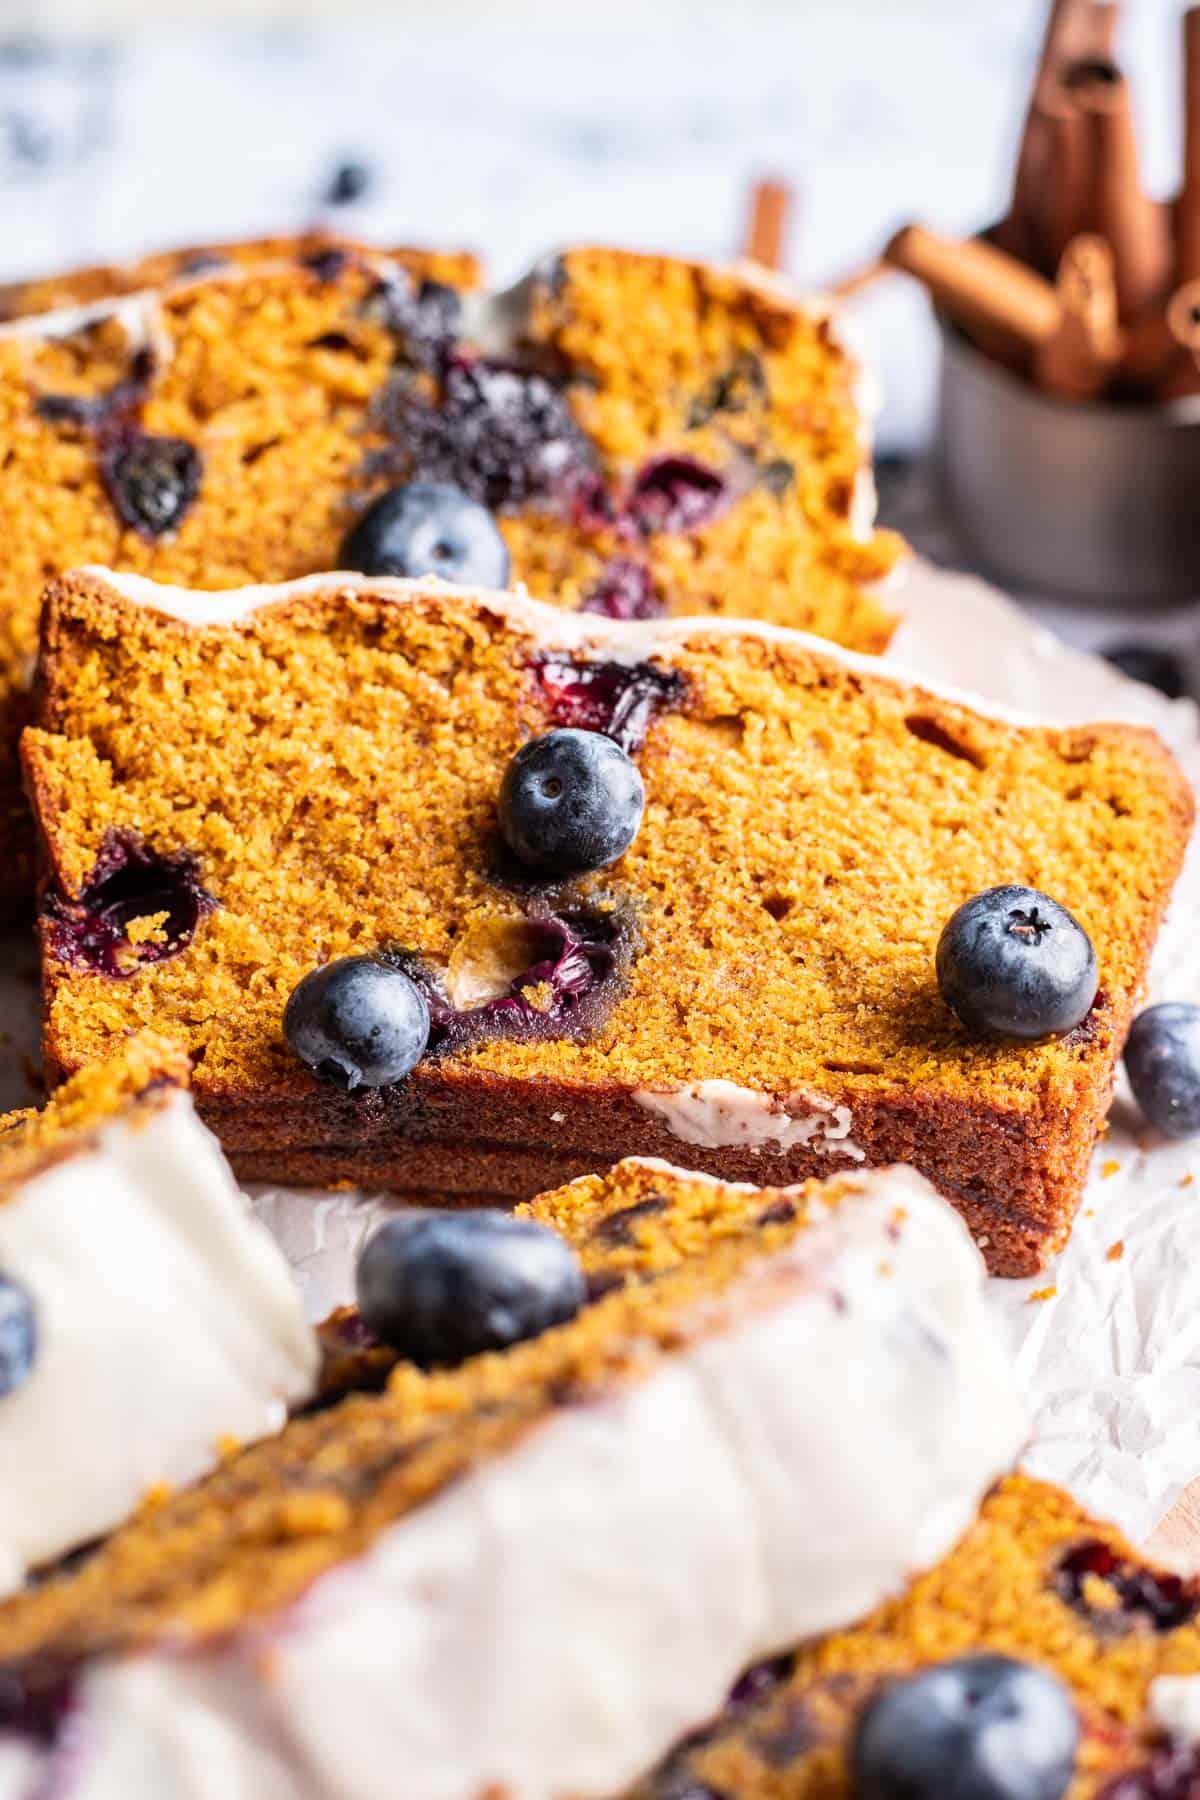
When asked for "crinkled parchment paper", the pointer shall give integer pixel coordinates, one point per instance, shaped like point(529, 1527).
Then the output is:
point(1108, 1339)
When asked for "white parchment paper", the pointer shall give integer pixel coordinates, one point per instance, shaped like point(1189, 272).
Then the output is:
point(1108, 1339)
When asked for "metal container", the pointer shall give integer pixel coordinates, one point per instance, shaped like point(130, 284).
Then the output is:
point(1099, 502)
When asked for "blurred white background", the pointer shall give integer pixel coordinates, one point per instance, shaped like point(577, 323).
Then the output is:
point(511, 128)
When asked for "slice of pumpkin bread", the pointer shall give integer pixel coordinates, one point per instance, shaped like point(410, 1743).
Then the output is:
point(470, 1577)
point(750, 986)
point(625, 433)
point(145, 1319)
point(1043, 1628)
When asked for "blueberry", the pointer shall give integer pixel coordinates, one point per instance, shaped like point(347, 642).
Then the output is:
point(1013, 963)
point(18, 1335)
point(131, 880)
point(1132, 1595)
point(570, 800)
point(981, 1728)
point(439, 1287)
point(358, 1023)
point(428, 316)
point(503, 435)
point(623, 590)
point(620, 699)
point(428, 529)
point(152, 481)
point(1162, 1057)
point(326, 265)
point(676, 494)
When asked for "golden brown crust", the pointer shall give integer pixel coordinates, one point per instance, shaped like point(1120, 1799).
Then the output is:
point(847, 813)
point(106, 281)
point(994, 1169)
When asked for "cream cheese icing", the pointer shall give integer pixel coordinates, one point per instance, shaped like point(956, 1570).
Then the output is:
point(1175, 1707)
point(716, 1115)
point(830, 1431)
point(167, 1323)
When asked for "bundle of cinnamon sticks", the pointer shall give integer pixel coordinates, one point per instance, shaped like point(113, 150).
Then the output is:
point(1088, 286)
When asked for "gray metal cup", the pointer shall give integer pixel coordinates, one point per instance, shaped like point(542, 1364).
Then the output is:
point(1095, 501)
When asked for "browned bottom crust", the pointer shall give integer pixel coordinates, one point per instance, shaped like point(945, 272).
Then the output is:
point(1015, 1180)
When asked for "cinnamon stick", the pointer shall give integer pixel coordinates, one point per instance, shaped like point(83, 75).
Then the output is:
point(1149, 347)
point(855, 280)
point(1077, 360)
point(1119, 208)
point(1187, 247)
point(1041, 219)
point(1181, 378)
point(1065, 187)
point(766, 233)
point(979, 286)
point(1016, 232)
point(1079, 31)
point(1183, 315)
point(1161, 349)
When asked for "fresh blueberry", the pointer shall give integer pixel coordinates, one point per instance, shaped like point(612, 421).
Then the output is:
point(981, 1728)
point(18, 1335)
point(428, 529)
point(1013, 963)
point(358, 1023)
point(440, 1287)
point(1162, 1057)
point(570, 800)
